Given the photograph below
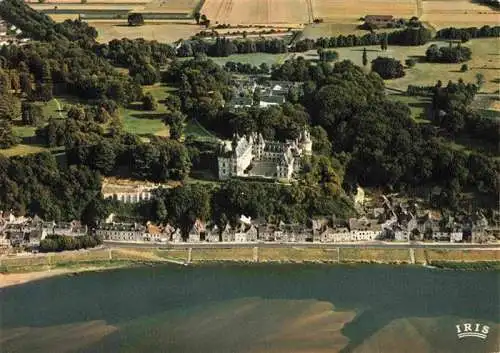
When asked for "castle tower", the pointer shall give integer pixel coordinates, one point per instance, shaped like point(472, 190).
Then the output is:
point(306, 142)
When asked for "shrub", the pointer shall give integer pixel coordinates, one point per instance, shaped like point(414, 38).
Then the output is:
point(464, 68)
point(410, 62)
point(388, 68)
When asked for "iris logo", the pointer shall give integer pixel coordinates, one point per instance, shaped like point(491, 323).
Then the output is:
point(472, 330)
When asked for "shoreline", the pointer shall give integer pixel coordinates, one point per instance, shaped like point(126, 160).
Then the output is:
point(27, 274)
point(30, 274)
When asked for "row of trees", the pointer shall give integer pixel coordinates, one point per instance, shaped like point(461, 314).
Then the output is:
point(464, 34)
point(247, 69)
point(225, 47)
point(409, 36)
point(56, 242)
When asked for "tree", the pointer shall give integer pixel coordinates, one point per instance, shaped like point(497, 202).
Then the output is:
point(149, 102)
point(175, 121)
point(10, 107)
point(365, 57)
point(480, 79)
point(7, 137)
point(385, 42)
point(388, 68)
point(103, 157)
point(264, 68)
point(256, 97)
point(327, 55)
point(410, 62)
point(26, 83)
point(464, 68)
point(197, 16)
point(32, 113)
point(135, 19)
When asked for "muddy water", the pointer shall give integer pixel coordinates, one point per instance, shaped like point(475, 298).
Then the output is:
point(254, 309)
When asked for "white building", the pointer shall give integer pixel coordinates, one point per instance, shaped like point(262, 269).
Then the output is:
point(253, 156)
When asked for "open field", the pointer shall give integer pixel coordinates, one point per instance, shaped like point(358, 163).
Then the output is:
point(57, 2)
point(485, 60)
point(165, 32)
point(78, 7)
point(335, 10)
point(172, 6)
point(458, 13)
point(257, 11)
point(340, 26)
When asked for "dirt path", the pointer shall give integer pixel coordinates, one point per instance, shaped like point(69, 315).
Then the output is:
point(59, 108)
point(420, 8)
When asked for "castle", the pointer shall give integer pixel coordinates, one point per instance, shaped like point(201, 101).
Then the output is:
point(251, 155)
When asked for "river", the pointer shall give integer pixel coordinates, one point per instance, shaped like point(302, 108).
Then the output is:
point(252, 309)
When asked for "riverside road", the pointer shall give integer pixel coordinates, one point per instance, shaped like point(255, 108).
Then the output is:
point(371, 245)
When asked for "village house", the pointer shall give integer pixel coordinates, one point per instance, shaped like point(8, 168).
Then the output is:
point(121, 231)
point(266, 232)
point(197, 232)
point(176, 236)
point(340, 234)
point(227, 234)
point(364, 229)
point(213, 234)
point(70, 229)
point(157, 234)
point(246, 233)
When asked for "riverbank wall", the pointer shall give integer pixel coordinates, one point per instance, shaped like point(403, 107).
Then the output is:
point(450, 258)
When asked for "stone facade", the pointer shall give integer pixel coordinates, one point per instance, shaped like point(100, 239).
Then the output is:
point(253, 156)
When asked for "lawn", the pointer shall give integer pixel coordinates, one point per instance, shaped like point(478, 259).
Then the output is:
point(254, 59)
point(417, 105)
point(484, 60)
point(21, 150)
point(195, 130)
point(55, 107)
point(142, 122)
point(24, 131)
point(143, 125)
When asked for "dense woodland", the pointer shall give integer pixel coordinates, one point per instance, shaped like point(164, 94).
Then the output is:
point(360, 136)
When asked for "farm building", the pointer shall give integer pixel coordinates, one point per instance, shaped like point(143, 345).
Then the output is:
point(379, 20)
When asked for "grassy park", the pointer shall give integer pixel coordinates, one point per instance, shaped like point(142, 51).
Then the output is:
point(253, 59)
